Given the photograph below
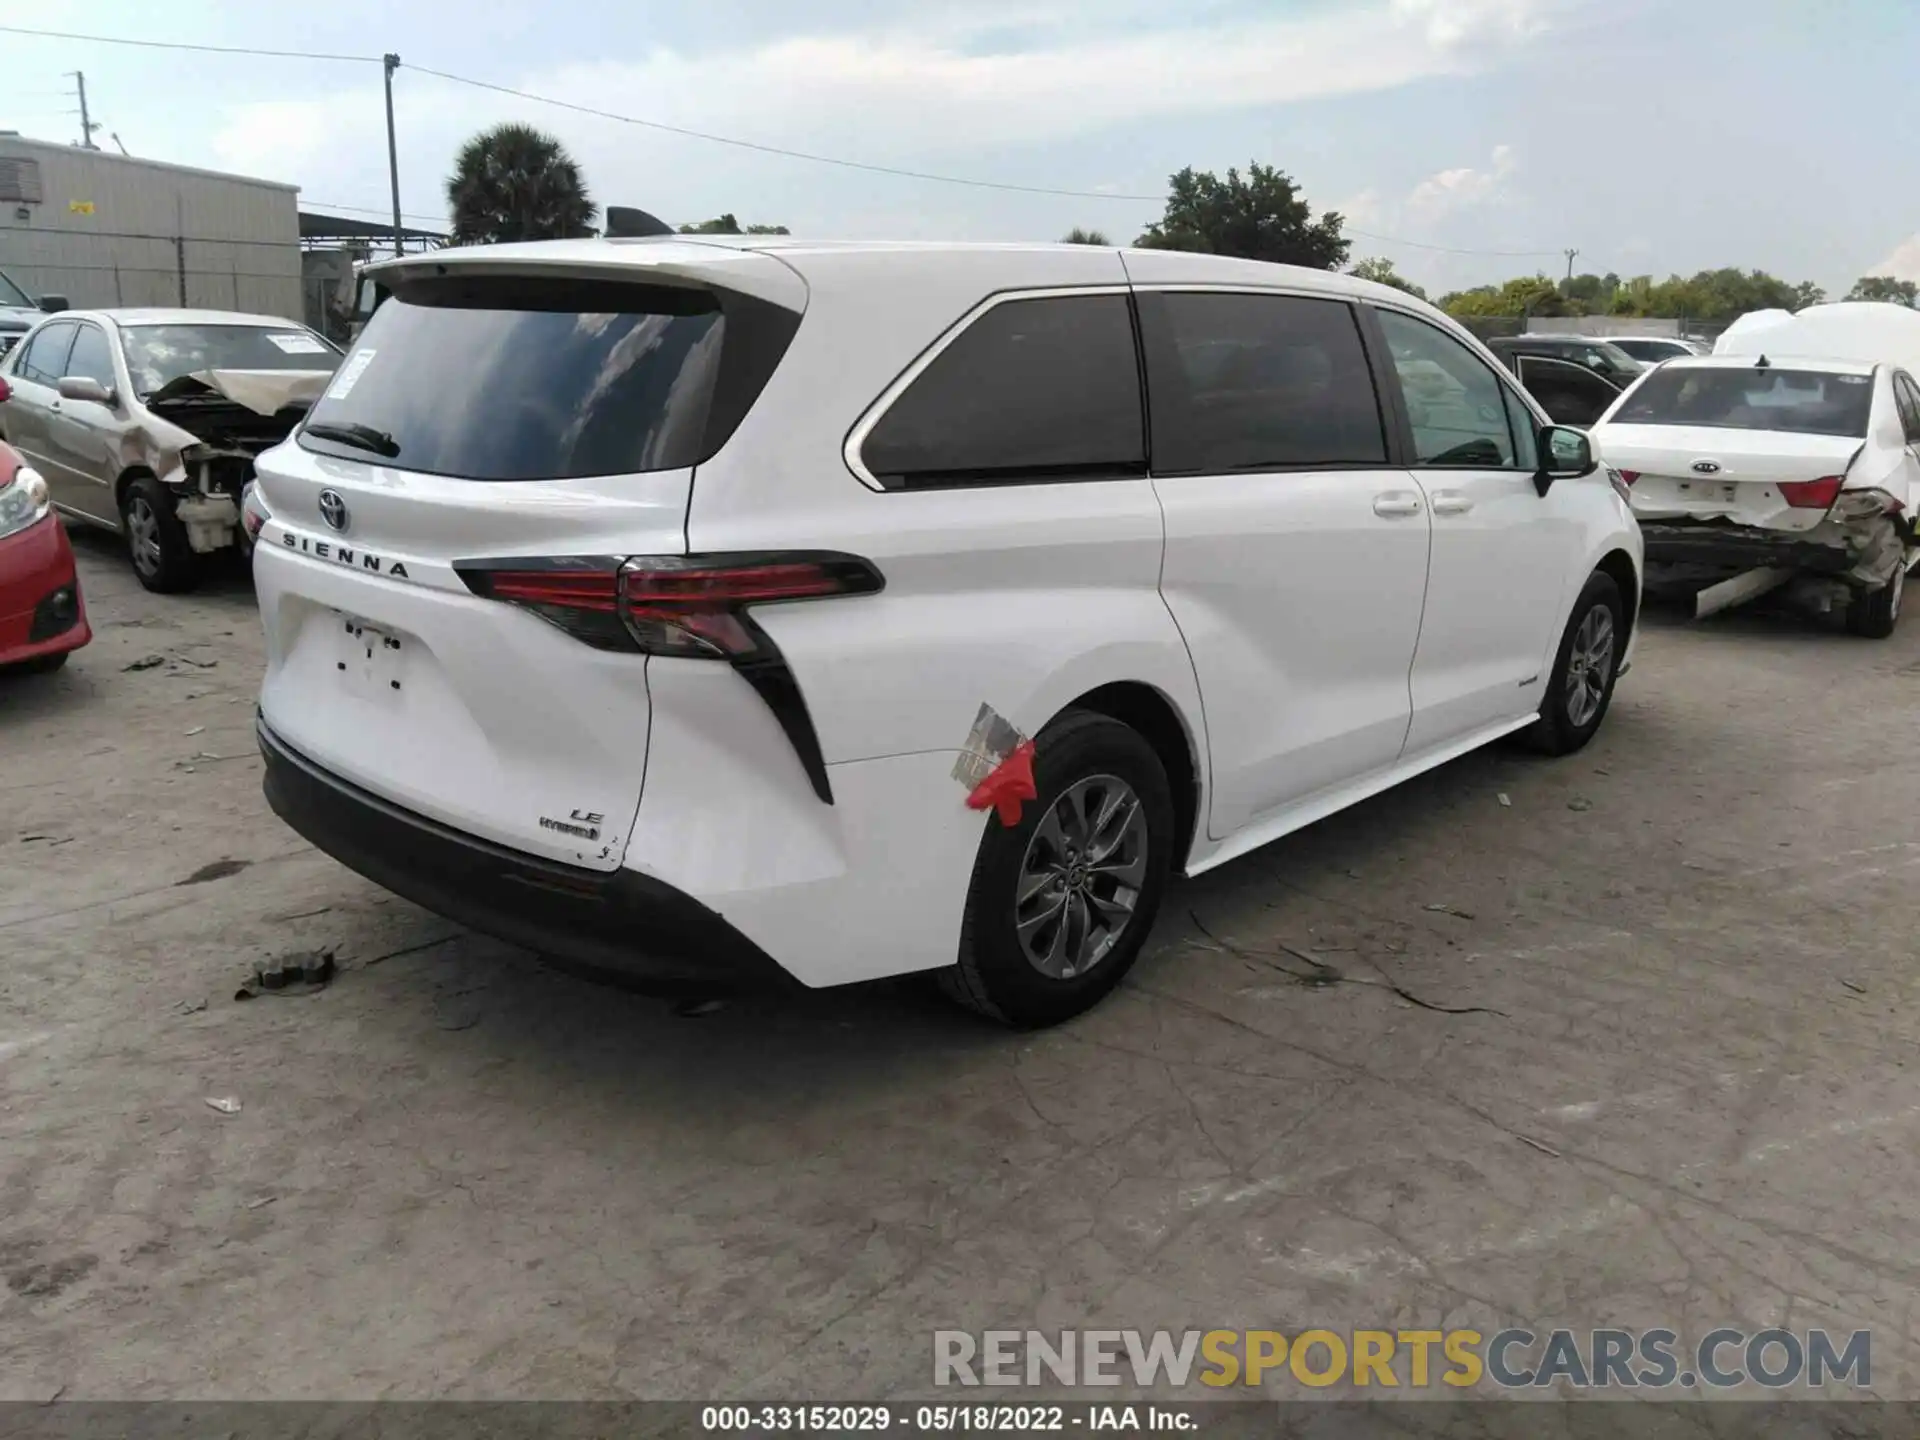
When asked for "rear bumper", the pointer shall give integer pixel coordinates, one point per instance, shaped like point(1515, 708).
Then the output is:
point(1739, 547)
point(623, 922)
point(41, 608)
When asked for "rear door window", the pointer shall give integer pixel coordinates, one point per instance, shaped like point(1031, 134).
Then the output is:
point(1036, 390)
point(1257, 382)
point(504, 378)
point(1909, 399)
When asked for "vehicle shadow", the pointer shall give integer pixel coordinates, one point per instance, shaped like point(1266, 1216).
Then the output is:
point(1770, 617)
point(745, 1056)
point(224, 575)
point(26, 697)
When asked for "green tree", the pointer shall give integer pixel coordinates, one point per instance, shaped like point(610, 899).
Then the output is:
point(1886, 288)
point(727, 225)
point(514, 182)
point(1710, 295)
point(1524, 295)
point(1077, 236)
point(1260, 217)
point(1381, 272)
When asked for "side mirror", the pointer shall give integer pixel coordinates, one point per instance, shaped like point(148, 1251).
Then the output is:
point(1565, 454)
point(84, 387)
point(53, 304)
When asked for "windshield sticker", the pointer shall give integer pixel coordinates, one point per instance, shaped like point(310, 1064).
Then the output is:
point(298, 344)
point(350, 374)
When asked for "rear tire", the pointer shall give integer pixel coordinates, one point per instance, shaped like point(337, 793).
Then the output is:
point(163, 560)
point(1038, 961)
point(1580, 689)
point(1874, 613)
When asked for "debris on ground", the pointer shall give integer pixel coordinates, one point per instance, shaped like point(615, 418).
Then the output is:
point(1320, 974)
point(218, 870)
point(1857, 989)
point(1543, 1149)
point(694, 1009)
point(262, 1202)
point(1453, 910)
point(225, 1104)
point(146, 662)
point(299, 915)
point(189, 1007)
point(1506, 800)
point(1579, 802)
point(302, 974)
point(198, 728)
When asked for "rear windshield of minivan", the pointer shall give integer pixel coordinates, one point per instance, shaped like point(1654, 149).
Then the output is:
point(1801, 402)
point(547, 378)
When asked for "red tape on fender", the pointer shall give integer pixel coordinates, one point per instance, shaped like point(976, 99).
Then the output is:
point(1008, 786)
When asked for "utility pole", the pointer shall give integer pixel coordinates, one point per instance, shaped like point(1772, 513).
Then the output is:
point(87, 127)
point(1570, 254)
point(391, 63)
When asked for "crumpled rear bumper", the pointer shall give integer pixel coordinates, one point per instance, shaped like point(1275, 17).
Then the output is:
point(1863, 551)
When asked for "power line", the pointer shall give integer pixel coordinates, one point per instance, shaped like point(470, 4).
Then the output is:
point(1448, 249)
point(783, 152)
point(372, 210)
point(182, 45)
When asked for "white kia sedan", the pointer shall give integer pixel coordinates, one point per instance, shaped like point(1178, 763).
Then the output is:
point(711, 608)
point(1750, 471)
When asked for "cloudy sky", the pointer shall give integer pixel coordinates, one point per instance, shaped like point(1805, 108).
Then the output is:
point(1469, 139)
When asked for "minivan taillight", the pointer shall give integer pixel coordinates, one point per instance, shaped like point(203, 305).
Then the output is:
point(689, 606)
point(694, 605)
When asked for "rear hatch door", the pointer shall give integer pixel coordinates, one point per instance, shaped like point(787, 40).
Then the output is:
point(541, 421)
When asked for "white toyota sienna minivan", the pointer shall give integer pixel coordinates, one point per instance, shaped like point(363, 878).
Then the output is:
point(721, 608)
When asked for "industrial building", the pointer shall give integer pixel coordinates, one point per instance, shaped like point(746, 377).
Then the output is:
point(105, 230)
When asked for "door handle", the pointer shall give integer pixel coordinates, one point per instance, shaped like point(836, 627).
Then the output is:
point(1396, 503)
point(1451, 502)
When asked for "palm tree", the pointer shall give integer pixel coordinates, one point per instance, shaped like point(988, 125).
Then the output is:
point(514, 182)
point(1077, 236)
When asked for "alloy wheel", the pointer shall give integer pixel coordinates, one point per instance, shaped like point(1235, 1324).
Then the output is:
point(1081, 877)
point(143, 535)
point(1590, 666)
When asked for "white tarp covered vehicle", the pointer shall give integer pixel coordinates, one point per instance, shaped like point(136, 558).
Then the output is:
point(1868, 331)
point(1791, 455)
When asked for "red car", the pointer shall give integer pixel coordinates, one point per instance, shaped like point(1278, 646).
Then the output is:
point(42, 618)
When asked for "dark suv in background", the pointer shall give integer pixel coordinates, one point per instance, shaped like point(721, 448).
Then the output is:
point(20, 312)
point(1574, 377)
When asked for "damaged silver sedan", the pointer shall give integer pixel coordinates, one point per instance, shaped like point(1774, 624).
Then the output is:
point(1752, 474)
point(148, 422)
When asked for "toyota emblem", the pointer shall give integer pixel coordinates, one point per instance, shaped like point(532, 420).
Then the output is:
point(1706, 467)
point(333, 509)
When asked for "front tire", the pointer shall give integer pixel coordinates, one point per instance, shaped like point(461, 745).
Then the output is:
point(1062, 902)
point(1580, 689)
point(1874, 613)
point(163, 560)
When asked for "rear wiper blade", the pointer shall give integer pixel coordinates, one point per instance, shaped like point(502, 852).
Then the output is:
point(361, 437)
